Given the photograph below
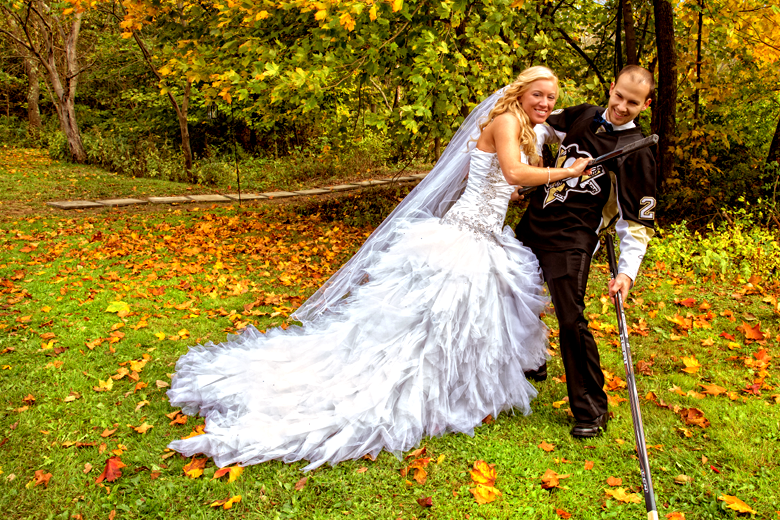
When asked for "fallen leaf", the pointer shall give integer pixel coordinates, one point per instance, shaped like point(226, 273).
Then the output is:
point(614, 481)
point(301, 483)
point(484, 494)
point(563, 514)
point(195, 468)
point(712, 389)
point(546, 447)
point(676, 516)
point(112, 471)
point(87, 468)
point(588, 464)
point(41, 478)
point(425, 501)
point(227, 503)
point(682, 479)
point(145, 427)
point(551, 479)
point(691, 365)
point(736, 504)
point(621, 495)
point(694, 417)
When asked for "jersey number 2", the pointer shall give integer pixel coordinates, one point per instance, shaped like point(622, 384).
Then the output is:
point(648, 205)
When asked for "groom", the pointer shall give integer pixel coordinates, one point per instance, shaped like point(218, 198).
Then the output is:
point(563, 219)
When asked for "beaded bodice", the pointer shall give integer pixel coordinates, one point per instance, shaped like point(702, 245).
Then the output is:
point(482, 207)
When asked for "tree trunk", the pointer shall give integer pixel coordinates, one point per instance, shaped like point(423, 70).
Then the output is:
point(618, 40)
point(185, 131)
point(774, 148)
point(696, 100)
point(665, 111)
point(33, 95)
point(630, 33)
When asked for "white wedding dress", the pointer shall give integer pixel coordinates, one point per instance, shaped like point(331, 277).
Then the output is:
point(437, 338)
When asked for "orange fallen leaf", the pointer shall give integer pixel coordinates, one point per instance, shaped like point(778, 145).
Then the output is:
point(562, 513)
point(551, 479)
point(588, 464)
point(145, 427)
point(41, 478)
point(301, 483)
point(712, 389)
point(614, 481)
point(675, 516)
point(694, 416)
point(484, 494)
point(736, 504)
point(546, 446)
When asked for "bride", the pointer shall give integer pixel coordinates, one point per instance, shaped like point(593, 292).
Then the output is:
point(426, 330)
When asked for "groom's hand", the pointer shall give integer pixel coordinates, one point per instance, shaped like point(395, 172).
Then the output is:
point(622, 283)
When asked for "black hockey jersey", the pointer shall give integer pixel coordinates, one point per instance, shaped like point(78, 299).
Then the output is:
point(569, 214)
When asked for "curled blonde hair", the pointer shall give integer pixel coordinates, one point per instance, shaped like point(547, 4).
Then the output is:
point(510, 102)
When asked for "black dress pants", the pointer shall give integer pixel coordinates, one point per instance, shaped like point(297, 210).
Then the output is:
point(566, 274)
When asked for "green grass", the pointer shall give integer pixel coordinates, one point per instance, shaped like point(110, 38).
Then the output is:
point(60, 273)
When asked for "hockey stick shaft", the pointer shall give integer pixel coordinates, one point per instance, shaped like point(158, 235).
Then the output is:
point(614, 154)
point(633, 396)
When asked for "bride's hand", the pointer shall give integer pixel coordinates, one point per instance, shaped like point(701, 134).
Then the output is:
point(578, 168)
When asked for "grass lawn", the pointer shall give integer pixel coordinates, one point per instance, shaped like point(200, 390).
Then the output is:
point(95, 308)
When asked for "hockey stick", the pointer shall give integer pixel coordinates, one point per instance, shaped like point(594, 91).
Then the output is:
point(633, 397)
point(614, 154)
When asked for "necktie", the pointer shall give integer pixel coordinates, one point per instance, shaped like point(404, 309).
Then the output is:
point(605, 126)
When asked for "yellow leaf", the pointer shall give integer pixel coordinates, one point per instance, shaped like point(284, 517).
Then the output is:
point(160, 335)
point(736, 504)
point(145, 427)
point(691, 365)
point(67, 11)
point(321, 14)
point(484, 494)
point(104, 386)
point(483, 473)
point(621, 495)
point(398, 5)
point(518, 4)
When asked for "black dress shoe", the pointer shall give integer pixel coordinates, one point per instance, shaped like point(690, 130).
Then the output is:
point(538, 375)
point(587, 429)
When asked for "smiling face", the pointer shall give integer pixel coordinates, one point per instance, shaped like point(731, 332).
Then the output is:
point(539, 100)
point(627, 98)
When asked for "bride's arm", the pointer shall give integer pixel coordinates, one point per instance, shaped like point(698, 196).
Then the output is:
point(503, 134)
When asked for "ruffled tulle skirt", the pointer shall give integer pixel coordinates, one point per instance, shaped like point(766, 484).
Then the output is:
point(435, 340)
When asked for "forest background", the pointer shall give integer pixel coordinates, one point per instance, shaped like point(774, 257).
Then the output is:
point(289, 92)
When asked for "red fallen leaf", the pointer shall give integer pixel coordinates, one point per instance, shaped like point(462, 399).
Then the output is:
point(112, 471)
point(488, 420)
point(425, 501)
point(301, 483)
point(713, 468)
point(562, 513)
point(727, 336)
point(42, 478)
point(688, 302)
point(754, 389)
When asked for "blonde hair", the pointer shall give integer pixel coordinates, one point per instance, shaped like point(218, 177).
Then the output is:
point(510, 102)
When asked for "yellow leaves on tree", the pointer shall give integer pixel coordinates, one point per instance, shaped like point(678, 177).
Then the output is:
point(736, 504)
point(483, 476)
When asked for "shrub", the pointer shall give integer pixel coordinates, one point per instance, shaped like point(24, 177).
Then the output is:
point(739, 244)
